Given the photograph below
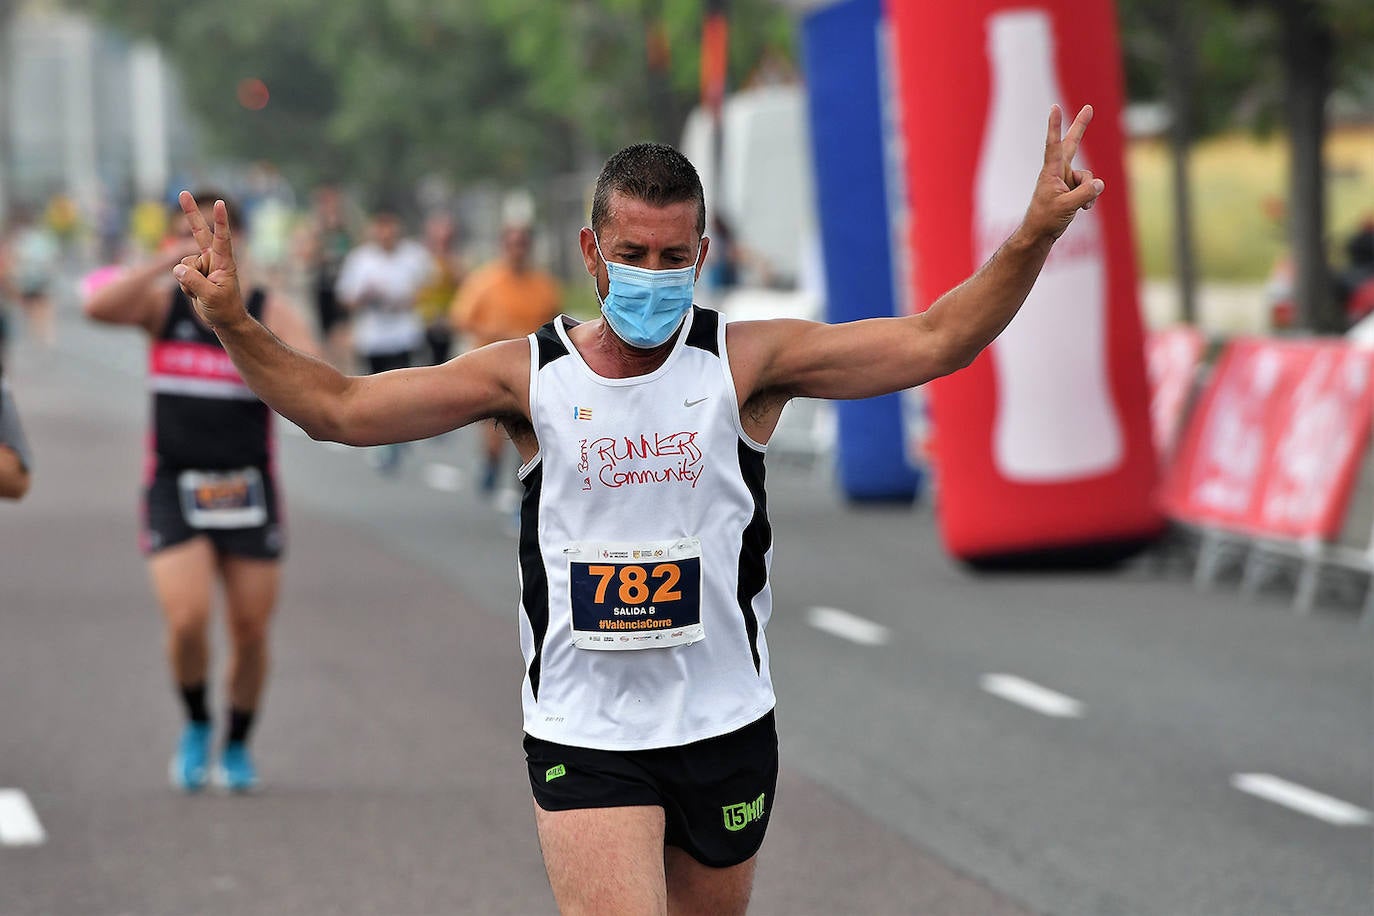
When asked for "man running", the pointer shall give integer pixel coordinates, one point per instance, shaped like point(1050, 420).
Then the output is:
point(645, 542)
point(503, 300)
point(210, 506)
point(378, 285)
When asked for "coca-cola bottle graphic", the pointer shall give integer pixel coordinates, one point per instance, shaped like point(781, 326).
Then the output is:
point(1055, 418)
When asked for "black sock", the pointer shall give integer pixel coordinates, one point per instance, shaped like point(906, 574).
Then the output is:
point(240, 723)
point(193, 697)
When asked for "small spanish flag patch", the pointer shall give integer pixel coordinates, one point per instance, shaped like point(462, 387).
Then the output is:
point(582, 413)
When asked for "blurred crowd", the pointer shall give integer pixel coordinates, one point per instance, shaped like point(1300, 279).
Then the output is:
point(384, 283)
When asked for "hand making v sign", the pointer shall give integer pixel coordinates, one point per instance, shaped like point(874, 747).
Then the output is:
point(211, 277)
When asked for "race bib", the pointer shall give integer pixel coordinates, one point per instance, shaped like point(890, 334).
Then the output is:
point(223, 499)
point(642, 595)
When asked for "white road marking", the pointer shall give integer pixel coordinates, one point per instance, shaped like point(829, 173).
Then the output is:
point(19, 824)
point(848, 626)
point(1032, 696)
point(1300, 798)
point(443, 477)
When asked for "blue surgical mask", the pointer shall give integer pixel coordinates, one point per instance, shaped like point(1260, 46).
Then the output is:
point(646, 307)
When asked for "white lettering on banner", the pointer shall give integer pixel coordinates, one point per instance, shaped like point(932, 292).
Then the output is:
point(1172, 357)
point(1318, 439)
point(1231, 453)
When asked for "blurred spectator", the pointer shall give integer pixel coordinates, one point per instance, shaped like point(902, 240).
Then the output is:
point(33, 259)
point(148, 225)
point(432, 303)
point(504, 300)
point(330, 240)
point(731, 262)
point(15, 460)
point(6, 297)
point(63, 220)
point(378, 284)
point(1355, 283)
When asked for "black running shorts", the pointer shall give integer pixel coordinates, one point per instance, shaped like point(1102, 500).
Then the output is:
point(165, 525)
point(716, 794)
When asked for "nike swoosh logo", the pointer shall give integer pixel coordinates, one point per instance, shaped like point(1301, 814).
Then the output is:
point(686, 403)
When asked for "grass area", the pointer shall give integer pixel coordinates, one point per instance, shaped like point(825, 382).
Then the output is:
point(1238, 184)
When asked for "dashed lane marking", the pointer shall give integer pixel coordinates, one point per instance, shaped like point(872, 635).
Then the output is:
point(1043, 700)
point(848, 626)
point(1300, 798)
point(19, 825)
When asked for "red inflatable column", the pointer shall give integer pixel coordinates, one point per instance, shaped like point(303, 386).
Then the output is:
point(1043, 447)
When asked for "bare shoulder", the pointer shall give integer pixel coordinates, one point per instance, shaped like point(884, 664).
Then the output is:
point(502, 369)
point(757, 348)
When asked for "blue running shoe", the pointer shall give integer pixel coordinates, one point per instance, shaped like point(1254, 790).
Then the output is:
point(236, 771)
point(190, 766)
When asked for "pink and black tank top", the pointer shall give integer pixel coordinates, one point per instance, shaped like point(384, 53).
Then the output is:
point(204, 416)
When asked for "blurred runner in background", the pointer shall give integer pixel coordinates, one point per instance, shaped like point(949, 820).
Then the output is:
point(210, 503)
point(330, 240)
point(441, 236)
point(378, 285)
point(504, 300)
point(33, 259)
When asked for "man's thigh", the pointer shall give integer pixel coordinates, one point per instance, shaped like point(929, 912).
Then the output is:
point(251, 586)
point(605, 860)
point(700, 890)
point(183, 577)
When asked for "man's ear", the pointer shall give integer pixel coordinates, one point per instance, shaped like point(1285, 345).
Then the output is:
point(701, 255)
point(586, 240)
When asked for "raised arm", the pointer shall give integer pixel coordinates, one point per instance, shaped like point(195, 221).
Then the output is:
point(391, 407)
point(137, 297)
point(877, 356)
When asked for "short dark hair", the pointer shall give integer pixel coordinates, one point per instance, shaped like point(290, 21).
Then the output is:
point(205, 199)
point(652, 172)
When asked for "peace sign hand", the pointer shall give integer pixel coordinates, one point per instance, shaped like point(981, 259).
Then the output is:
point(1061, 190)
point(210, 278)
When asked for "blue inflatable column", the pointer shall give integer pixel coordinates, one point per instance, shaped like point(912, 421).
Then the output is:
point(843, 53)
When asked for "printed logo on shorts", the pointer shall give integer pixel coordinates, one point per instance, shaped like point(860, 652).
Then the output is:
point(555, 772)
point(737, 817)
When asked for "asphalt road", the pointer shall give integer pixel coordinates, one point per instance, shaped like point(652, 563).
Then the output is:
point(1054, 744)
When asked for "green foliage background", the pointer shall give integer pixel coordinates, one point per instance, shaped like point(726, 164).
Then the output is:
point(386, 91)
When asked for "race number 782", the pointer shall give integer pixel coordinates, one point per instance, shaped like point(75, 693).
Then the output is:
point(636, 583)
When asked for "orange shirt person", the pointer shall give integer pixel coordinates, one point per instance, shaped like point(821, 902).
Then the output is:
point(508, 298)
point(504, 300)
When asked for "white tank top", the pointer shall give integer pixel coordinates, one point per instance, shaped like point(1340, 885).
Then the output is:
point(645, 548)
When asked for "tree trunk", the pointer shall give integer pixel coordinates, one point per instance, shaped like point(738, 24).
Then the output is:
point(1179, 81)
point(1307, 49)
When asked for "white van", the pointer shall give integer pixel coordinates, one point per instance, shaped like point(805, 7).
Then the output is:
point(766, 193)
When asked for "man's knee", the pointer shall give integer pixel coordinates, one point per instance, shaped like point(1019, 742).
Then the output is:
point(188, 626)
point(248, 632)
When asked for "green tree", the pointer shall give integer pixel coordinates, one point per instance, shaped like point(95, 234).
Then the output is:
point(385, 91)
point(1259, 63)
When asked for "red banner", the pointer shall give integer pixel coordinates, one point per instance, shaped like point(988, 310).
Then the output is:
point(1276, 441)
point(1045, 442)
point(1173, 356)
point(1324, 430)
